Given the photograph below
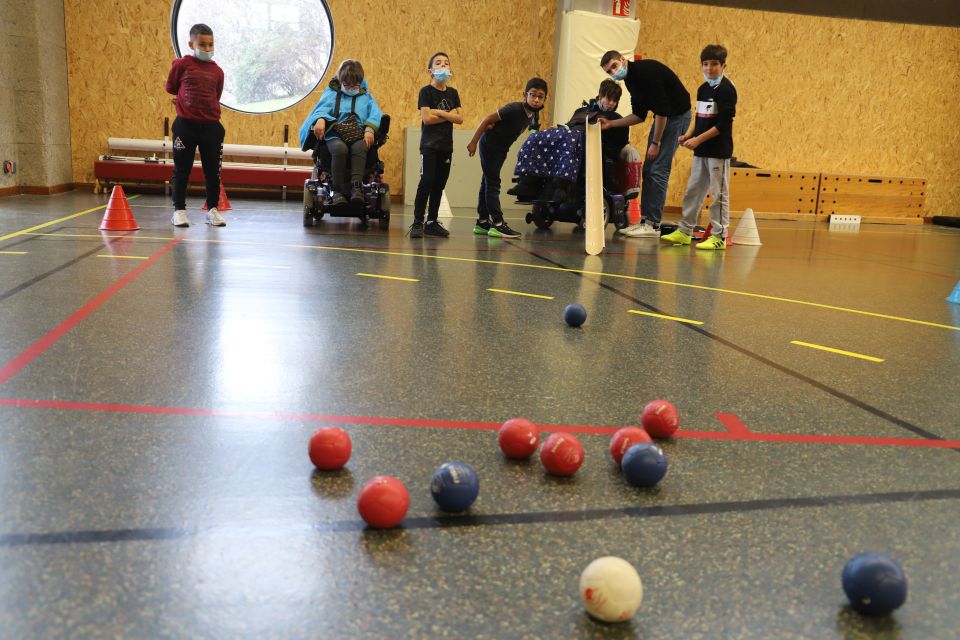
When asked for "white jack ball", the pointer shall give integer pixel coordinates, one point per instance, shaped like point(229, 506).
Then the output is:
point(611, 589)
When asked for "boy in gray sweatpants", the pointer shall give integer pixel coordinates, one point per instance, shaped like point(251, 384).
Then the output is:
point(712, 143)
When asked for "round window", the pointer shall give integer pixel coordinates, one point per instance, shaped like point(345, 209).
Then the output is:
point(273, 52)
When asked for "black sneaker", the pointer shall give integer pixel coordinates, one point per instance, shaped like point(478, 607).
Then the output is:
point(434, 228)
point(416, 229)
point(356, 194)
point(481, 227)
point(502, 230)
point(526, 188)
point(337, 199)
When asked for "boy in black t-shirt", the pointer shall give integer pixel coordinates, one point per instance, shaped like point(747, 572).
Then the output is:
point(439, 110)
point(712, 144)
point(496, 133)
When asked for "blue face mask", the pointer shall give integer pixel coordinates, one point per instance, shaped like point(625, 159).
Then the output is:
point(620, 73)
point(442, 74)
point(350, 92)
point(713, 82)
point(203, 56)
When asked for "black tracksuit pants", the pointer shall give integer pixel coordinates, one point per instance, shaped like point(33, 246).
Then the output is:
point(434, 171)
point(188, 136)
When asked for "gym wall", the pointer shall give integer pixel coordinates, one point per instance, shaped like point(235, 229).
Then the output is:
point(119, 53)
point(816, 94)
point(822, 94)
point(33, 98)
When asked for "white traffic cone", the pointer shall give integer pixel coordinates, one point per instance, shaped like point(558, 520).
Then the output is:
point(444, 211)
point(746, 232)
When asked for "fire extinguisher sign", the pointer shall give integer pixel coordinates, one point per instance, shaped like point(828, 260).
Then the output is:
point(621, 8)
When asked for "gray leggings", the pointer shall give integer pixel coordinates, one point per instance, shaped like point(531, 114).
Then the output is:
point(338, 161)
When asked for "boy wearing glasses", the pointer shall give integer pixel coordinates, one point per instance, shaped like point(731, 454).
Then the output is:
point(495, 134)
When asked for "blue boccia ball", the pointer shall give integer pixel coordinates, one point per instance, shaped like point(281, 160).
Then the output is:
point(874, 583)
point(644, 465)
point(455, 486)
point(574, 315)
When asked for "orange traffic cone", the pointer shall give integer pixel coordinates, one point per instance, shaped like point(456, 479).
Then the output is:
point(633, 211)
point(223, 204)
point(118, 216)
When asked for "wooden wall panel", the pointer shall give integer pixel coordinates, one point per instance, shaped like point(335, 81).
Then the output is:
point(822, 95)
point(816, 94)
point(789, 194)
point(119, 53)
point(873, 198)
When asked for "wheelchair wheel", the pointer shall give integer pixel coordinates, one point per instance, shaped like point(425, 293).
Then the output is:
point(541, 216)
point(620, 218)
point(384, 203)
point(311, 211)
point(308, 219)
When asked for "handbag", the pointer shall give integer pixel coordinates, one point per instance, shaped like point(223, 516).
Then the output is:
point(349, 129)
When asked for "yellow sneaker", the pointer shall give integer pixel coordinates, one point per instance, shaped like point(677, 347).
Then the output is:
point(713, 243)
point(676, 237)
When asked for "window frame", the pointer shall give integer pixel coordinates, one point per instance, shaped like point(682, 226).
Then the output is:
point(175, 13)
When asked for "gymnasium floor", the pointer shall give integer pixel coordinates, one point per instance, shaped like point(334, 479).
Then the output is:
point(158, 388)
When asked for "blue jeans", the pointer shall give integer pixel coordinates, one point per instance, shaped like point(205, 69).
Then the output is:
point(656, 173)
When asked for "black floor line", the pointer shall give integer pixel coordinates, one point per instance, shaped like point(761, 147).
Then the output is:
point(479, 520)
point(46, 274)
point(28, 238)
point(860, 404)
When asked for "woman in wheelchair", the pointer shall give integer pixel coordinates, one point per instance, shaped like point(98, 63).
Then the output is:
point(345, 120)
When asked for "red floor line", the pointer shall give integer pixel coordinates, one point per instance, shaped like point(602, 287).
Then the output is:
point(801, 438)
point(36, 349)
point(732, 423)
point(737, 436)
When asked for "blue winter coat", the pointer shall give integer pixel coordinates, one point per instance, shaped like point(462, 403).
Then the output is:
point(366, 109)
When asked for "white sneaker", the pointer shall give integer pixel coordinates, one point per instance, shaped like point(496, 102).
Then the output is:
point(214, 218)
point(643, 230)
point(626, 230)
point(180, 218)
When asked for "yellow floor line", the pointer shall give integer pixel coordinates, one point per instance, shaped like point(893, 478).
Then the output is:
point(57, 221)
point(840, 351)
point(13, 253)
point(520, 293)
point(103, 255)
point(545, 267)
point(657, 315)
point(102, 235)
point(374, 275)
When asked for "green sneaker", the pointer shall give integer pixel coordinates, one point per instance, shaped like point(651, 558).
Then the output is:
point(676, 237)
point(481, 227)
point(713, 243)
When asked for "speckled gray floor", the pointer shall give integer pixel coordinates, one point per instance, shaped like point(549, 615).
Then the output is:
point(154, 480)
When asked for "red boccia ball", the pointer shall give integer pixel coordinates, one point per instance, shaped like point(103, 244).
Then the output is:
point(625, 438)
point(561, 454)
point(329, 448)
point(518, 438)
point(383, 502)
point(660, 419)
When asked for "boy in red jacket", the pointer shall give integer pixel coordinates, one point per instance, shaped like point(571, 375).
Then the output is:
point(197, 82)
